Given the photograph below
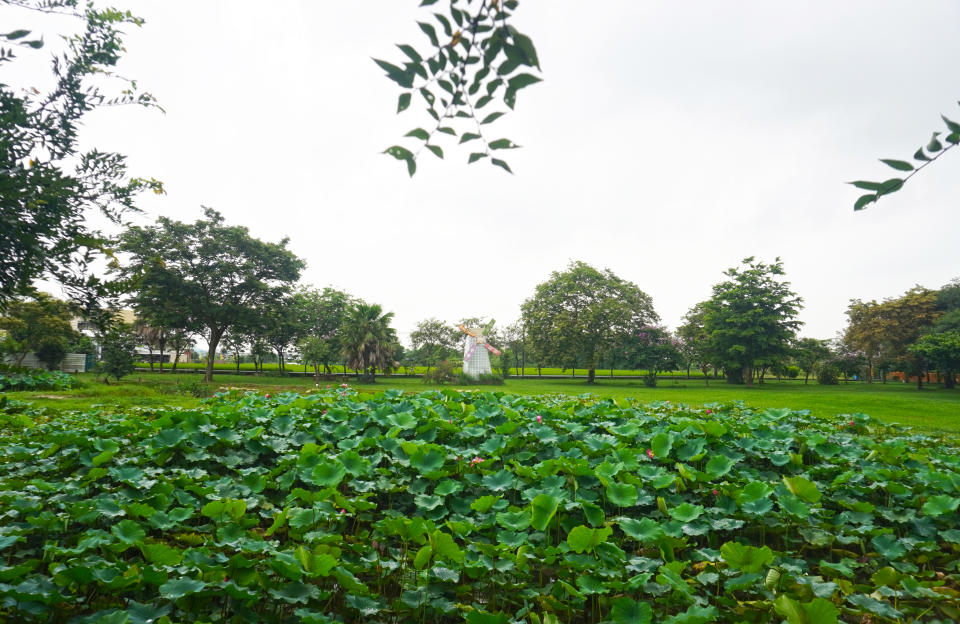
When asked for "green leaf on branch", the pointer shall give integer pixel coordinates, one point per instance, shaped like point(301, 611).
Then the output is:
point(436, 149)
point(402, 153)
point(864, 200)
point(474, 157)
point(492, 117)
point(430, 31)
point(522, 80)
point(418, 133)
point(919, 155)
point(469, 136)
point(899, 165)
point(503, 144)
point(411, 53)
point(951, 125)
point(403, 103)
point(503, 165)
point(934, 145)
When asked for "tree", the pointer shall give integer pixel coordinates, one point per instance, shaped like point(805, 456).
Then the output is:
point(218, 274)
point(368, 341)
point(809, 354)
point(48, 186)
point(905, 319)
point(925, 155)
point(751, 318)
point(40, 324)
point(434, 340)
point(866, 327)
point(652, 349)
point(580, 314)
point(284, 324)
point(695, 342)
point(117, 351)
point(478, 57)
point(941, 352)
point(323, 316)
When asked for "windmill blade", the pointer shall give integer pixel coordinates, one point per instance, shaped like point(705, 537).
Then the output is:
point(470, 351)
point(467, 330)
point(491, 349)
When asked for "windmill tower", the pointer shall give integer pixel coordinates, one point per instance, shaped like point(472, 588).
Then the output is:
point(476, 362)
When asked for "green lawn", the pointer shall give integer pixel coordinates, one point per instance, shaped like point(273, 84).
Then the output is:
point(932, 408)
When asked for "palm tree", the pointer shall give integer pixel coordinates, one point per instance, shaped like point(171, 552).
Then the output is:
point(368, 339)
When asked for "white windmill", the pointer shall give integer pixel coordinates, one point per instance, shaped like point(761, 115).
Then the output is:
point(476, 362)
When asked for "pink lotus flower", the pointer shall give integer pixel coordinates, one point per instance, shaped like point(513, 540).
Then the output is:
point(344, 386)
point(709, 411)
point(650, 453)
point(476, 460)
point(851, 423)
point(539, 418)
point(343, 511)
point(715, 492)
point(266, 396)
point(328, 385)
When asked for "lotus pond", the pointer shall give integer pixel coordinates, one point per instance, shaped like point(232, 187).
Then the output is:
point(482, 508)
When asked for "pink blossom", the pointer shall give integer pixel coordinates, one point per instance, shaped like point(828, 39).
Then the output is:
point(343, 511)
point(539, 418)
point(344, 385)
point(709, 411)
point(650, 453)
point(266, 396)
point(851, 423)
point(476, 460)
point(715, 492)
point(328, 385)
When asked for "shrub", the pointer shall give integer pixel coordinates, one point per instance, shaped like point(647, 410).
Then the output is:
point(442, 373)
point(117, 353)
point(483, 380)
point(828, 375)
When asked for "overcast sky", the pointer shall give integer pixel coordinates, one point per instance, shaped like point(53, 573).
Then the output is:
point(667, 142)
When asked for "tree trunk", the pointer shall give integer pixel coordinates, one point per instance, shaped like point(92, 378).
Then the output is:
point(215, 334)
point(592, 376)
point(748, 375)
point(150, 351)
point(688, 371)
point(236, 356)
point(162, 344)
point(806, 377)
point(869, 371)
point(948, 382)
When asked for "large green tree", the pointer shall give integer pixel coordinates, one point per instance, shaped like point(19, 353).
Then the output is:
point(368, 341)
point(49, 185)
point(580, 314)
point(324, 313)
point(218, 274)
point(940, 352)
point(40, 324)
point(434, 341)
point(751, 318)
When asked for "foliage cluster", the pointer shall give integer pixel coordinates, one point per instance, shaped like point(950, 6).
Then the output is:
point(14, 379)
point(484, 507)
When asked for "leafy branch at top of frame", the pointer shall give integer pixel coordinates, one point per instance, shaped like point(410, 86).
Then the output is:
point(925, 155)
point(481, 59)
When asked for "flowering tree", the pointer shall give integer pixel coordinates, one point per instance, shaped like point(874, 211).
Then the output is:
point(653, 349)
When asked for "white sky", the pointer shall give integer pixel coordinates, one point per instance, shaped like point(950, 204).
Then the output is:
point(668, 141)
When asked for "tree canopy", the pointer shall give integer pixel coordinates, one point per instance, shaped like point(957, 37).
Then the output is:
point(368, 342)
point(48, 185)
point(580, 314)
point(751, 318)
point(214, 274)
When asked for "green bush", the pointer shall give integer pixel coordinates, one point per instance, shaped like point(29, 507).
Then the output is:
point(828, 375)
point(440, 374)
point(485, 379)
point(16, 378)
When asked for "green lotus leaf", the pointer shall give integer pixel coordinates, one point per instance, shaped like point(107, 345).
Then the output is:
point(629, 611)
point(643, 530)
point(128, 531)
point(516, 521)
point(694, 615)
point(447, 487)
point(161, 554)
point(626, 430)
point(622, 494)
point(803, 488)
point(793, 505)
point(178, 588)
point(145, 613)
point(427, 501)
point(328, 473)
point(888, 546)
point(671, 578)
point(482, 617)
point(285, 564)
point(296, 592)
point(403, 420)
point(661, 444)
point(499, 481)
point(229, 507)
point(691, 449)
point(445, 574)
point(821, 611)
point(365, 605)
point(590, 584)
point(542, 510)
point(354, 463)
point(429, 460)
point(484, 503)
point(940, 504)
point(444, 546)
point(685, 512)
point(746, 558)
point(718, 465)
point(874, 606)
point(758, 507)
point(755, 490)
point(422, 558)
point(585, 539)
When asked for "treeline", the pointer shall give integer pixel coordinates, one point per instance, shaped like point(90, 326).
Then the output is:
point(241, 296)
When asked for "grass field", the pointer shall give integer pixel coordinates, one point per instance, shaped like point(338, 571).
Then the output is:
point(932, 408)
